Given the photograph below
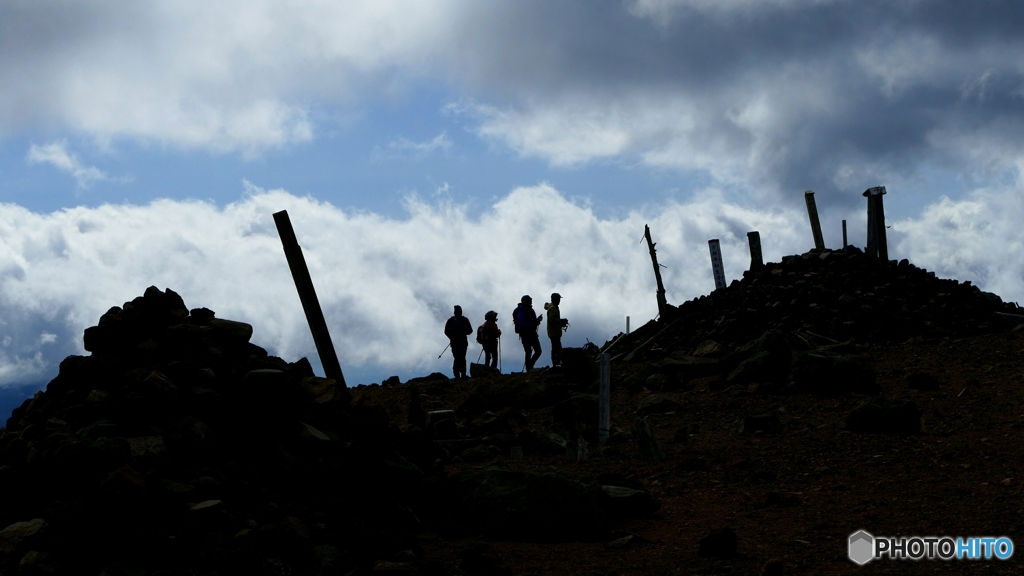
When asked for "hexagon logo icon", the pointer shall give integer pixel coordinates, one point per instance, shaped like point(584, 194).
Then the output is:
point(862, 547)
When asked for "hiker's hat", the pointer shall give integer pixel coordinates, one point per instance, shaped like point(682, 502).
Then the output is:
point(556, 295)
point(526, 298)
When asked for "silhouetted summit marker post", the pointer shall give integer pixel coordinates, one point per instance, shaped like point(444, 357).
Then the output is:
point(307, 295)
point(877, 245)
point(812, 214)
point(756, 260)
point(662, 303)
point(717, 269)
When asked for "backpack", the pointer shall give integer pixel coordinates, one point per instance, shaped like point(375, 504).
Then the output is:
point(480, 334)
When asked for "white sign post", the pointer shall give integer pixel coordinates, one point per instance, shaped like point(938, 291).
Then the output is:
point(716, 263)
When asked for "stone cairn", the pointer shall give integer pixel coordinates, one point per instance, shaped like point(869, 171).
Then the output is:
point(179, 447)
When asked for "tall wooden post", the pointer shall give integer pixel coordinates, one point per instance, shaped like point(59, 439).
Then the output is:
point(717, 269)
point(756, 260)
point(662, 303)
point(307, 295)
point(877, 245)
point(812, 214)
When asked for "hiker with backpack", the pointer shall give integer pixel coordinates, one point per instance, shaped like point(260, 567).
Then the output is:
point(526, 322)
point(555, 326)
point(487, 335)
point(457, 329)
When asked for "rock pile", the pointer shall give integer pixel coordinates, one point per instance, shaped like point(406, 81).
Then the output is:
point(179, 447)
point(795, 326)
point(836, 296)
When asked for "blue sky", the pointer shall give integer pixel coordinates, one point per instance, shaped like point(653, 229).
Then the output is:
point(464, 152)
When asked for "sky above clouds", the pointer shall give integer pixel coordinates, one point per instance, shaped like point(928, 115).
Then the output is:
point(465, 152)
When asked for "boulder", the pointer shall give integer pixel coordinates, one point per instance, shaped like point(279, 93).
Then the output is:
point(578, 366)
point(481, 370)
point(687, 367)
point(833, 374)
point(657, 404)
point(623, 502)
point(923, 382)
point(768, 423)
point(544, 441)
point(530, 506)
point(579, 413)
point(878, 416)
point(719, 543)
point(514, 392)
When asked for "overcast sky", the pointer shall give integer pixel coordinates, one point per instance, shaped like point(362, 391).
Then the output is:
point(447, 152)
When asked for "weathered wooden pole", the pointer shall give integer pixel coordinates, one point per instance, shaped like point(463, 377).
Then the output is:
point(877, 245)
point(812, 213)
point(717, 269)
point(662, 303)
point(845, 244)
point(307, 295)
point(756, 260)
point(605, 387)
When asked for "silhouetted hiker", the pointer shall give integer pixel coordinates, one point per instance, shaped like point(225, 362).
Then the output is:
point(526, 322)
point(456, 329)
point(487, 335)
point(555, 324)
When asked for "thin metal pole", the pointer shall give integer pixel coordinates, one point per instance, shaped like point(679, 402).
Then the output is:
point(307, 295)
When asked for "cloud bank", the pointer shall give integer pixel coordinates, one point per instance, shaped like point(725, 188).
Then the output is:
point(765, 97)
point(388, 285)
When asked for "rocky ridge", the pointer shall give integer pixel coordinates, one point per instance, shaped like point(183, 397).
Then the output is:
point(179, 447)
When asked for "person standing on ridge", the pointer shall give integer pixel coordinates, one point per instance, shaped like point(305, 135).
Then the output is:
point(487, 335)
point(457, 329)
point(555, 324)
point(526, 322)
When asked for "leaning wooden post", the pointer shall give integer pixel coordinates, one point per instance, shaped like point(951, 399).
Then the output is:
point(812, 213)
point(307, 295)
point(662, 303)
point(604, 414)
point(716, 263)
point(756, 260)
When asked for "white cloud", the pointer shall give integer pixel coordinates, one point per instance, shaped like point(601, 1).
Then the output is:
point(386, 285)
point(56, 154)
point(230, 76)
point(978, 239)
point(770, 94)
point(403, 146)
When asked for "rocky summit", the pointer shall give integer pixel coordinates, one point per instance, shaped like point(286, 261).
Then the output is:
point(752, 431)
point(179, 447)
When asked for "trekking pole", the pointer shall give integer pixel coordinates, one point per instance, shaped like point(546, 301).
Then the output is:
point(479, 355)
point(443, 351)
point(499, 354)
